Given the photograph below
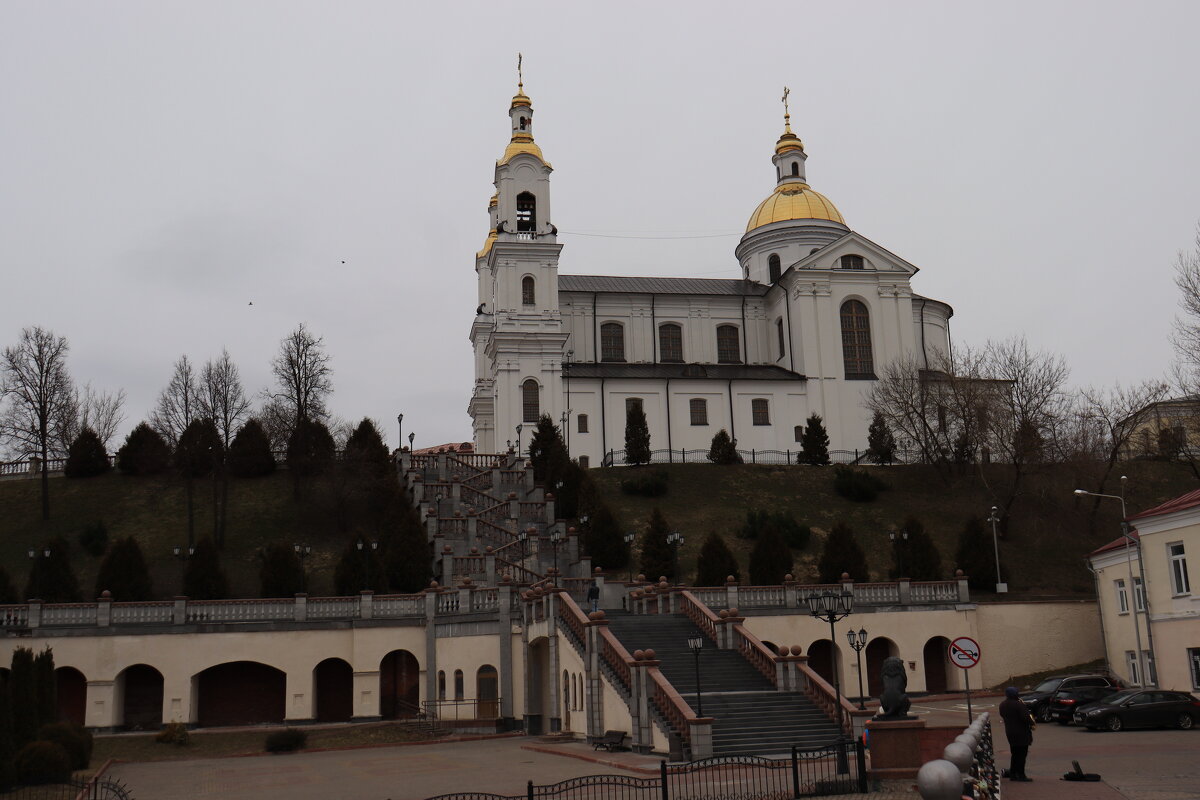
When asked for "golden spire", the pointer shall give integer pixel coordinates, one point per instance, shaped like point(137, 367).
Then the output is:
point(789, 140)
point(520, 98)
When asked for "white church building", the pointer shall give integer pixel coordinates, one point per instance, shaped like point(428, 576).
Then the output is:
point(814, 310)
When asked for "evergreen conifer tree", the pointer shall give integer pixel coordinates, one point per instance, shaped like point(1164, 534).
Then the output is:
point(842, 554)
point(914, 553)
point(8, 748)
point(310, 449)
point(365, 451)
point(124, 574)
point(771, 559)
point(975, 555)
point(359, 568)
point(637, 436)
point(409, 557)
point(145, 452)
point(86, 457)
point(204, 579)
point(716, 562)
point(881, 444)
point(22, 688)
point(815, 442)
point(8, 592)
point(280, 571)
point(723, 450)
point(51, 578)
point(199, 449)
point(658, 556)
point(250, 452)
point(604, 540)
point(46, 683)
point(547, 451)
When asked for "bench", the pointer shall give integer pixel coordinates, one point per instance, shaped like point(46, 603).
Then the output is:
point(610, 741)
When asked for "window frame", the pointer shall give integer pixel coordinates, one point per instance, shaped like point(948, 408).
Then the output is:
point(676, 330)
point(760, 406)
point(858, 348)
point(698, 410)
point(634, 402)
point(1181, 585)
point(1139, 595)
point(774, 268)
point(1194, 666)
point(607, 341)
point(1122, 596)
point(526, 386)
point(852, 261)
point(528, 291)
point(581, 423)
point(526, 213)
point(782, 339)
point(723, 348)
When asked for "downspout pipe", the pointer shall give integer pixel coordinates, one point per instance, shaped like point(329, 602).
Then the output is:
point(654, 341)
point(603, 425)
point(745, 360)
point(732, 425)
point(595, 332)
point(791, 348)
point(670, 452)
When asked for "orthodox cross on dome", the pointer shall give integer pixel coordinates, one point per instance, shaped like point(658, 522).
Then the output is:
point(787, 117)
point(520, 79)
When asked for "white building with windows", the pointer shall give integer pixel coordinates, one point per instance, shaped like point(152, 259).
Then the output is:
point(1146, 598)
point(809, 312)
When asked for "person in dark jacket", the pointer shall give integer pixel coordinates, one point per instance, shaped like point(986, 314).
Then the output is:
point(1018, 729)
point(593, 596)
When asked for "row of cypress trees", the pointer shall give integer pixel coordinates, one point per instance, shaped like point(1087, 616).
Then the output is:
point(34, 746)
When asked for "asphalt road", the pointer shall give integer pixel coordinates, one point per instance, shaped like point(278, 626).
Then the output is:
point(1141, 764)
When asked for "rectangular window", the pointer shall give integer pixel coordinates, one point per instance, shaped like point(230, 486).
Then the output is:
point(670, 343)
point(1122, 597)
point(779, 331)
point(583, 423)
point(1139, 595)
point(612, 342)
point(583, 462)
point(1179, 573)
point(1194, 665)
point(760, 412)
point(729, 350)
point(799, 433)
point(699, 409)
point(1131, 662)
point(631, 403)
point(1151, 667)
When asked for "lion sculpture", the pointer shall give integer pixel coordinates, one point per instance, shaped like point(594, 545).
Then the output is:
point(894, 702)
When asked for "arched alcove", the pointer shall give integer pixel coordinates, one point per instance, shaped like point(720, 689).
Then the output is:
point(72, 694)
point(333, 684)
point(240, 693)
point(399, 685)
point(877, 650)
point(935, 659)
point(487, 692)
point(141, 692)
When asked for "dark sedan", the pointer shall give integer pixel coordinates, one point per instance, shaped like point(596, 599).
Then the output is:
point(1063, 703)
point(1140, 708)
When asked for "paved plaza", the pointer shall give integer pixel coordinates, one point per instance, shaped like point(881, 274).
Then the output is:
point(1137, 765)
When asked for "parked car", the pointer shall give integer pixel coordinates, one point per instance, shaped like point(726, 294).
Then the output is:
point(1037, 700)
point(1064, 701)
point(1140, 708)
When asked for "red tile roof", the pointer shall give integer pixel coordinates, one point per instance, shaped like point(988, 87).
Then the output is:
point(1116, 543)
point(1181, 503)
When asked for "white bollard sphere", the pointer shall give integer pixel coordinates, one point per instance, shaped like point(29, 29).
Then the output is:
point(969, 740)
point(959, 754)
point(939, 780)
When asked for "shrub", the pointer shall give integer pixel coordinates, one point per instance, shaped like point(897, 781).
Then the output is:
point(842, 554)
point(8, 592)
point(145, 452)
point(124, 573)
point(42, 762)
point(175, 733)
point(310, 449)
point(723, 450)
point(51, 578)
point(770, 560)
point(250, 453)
point(658, 556)
point(199, 449)
point(94, 538)
point(287, 740)
point(604, 541)
point(881, 443)
point(795, 535)
point(637, 436)
point(857, 485)
point(716, 562)
point(73, 738)
point(280, 571)
point(86, 457)
point(204, 579)
point(815, 443)
point(646, 484)
point(976, 554)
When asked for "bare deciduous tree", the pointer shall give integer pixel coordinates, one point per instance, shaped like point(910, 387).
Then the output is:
point(222, 399)
point(302, 371)
point(1116, 413)
point(103, 412)
point(178, 404)
point(36, 388)
point(1186, 335)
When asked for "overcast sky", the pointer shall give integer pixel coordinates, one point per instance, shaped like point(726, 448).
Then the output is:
point(165, 164)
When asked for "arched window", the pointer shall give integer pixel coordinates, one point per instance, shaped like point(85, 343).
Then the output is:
point(852, 262)
point(799, 433)
point(612, 341)
point(583, 420)
point(441, 684)
point(795, 169)
point(524, 122)
point(773, 267)
point(728, 348)
point(528, 296)
point(670, 343)
point(779, 332)
point(856, 341)
point(760, 411)
point(530, 406)
point(526, 212)
point(458, 684)
point(699, 408)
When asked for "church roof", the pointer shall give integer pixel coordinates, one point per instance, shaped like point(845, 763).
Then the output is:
point(616, 284)
point(720, 372)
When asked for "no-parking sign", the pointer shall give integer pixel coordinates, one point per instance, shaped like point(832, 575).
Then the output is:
point(964, 652)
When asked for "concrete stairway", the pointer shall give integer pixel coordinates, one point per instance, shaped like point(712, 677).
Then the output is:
point(750, 715)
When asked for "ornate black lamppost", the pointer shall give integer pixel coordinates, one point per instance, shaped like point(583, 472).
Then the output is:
point(400, 422)
point(556, 537)
point(411, 436)
point(675, 539)
point(366, 547)
point(831, 607)
point(302, 552)
point(696, 644)
point(858, 642)
point(520, 426)
point(182, 553)
point(629, 539)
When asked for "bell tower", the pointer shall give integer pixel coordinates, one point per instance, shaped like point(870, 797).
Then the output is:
point(517, 334)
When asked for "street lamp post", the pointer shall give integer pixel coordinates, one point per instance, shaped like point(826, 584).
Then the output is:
point(858, 642)
point(302, 552)
point(1001, 587)
point(519, 427)
point(675, 539)
point(831, 607)
point(400, 423)
point(629, 539)
point(366, 547)
point(183, 554)
point(900, 551)
point(556, 537)
point(696, 644)
point(411, 436)
point(1146, 676)
point(523, 537)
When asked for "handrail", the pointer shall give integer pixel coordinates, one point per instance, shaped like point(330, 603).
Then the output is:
point(571, 614)
point(699, 613)
point(754, 651)
point(615, 655)
point(824, 697)
point(674, 708)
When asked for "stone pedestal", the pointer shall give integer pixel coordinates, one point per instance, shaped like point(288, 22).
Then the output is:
point(895, 748)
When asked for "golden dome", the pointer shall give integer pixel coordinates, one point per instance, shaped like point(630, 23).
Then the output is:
point(520, 99)
point(793, 201)
point(522, 143)
point(787, 142)
point(495, 199)
point(487, 244)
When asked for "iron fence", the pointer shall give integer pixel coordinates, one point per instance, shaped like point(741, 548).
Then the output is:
point(95, 789)
point(768, 457)
point(838, 768)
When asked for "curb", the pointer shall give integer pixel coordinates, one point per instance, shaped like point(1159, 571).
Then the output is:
point(605, 762)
